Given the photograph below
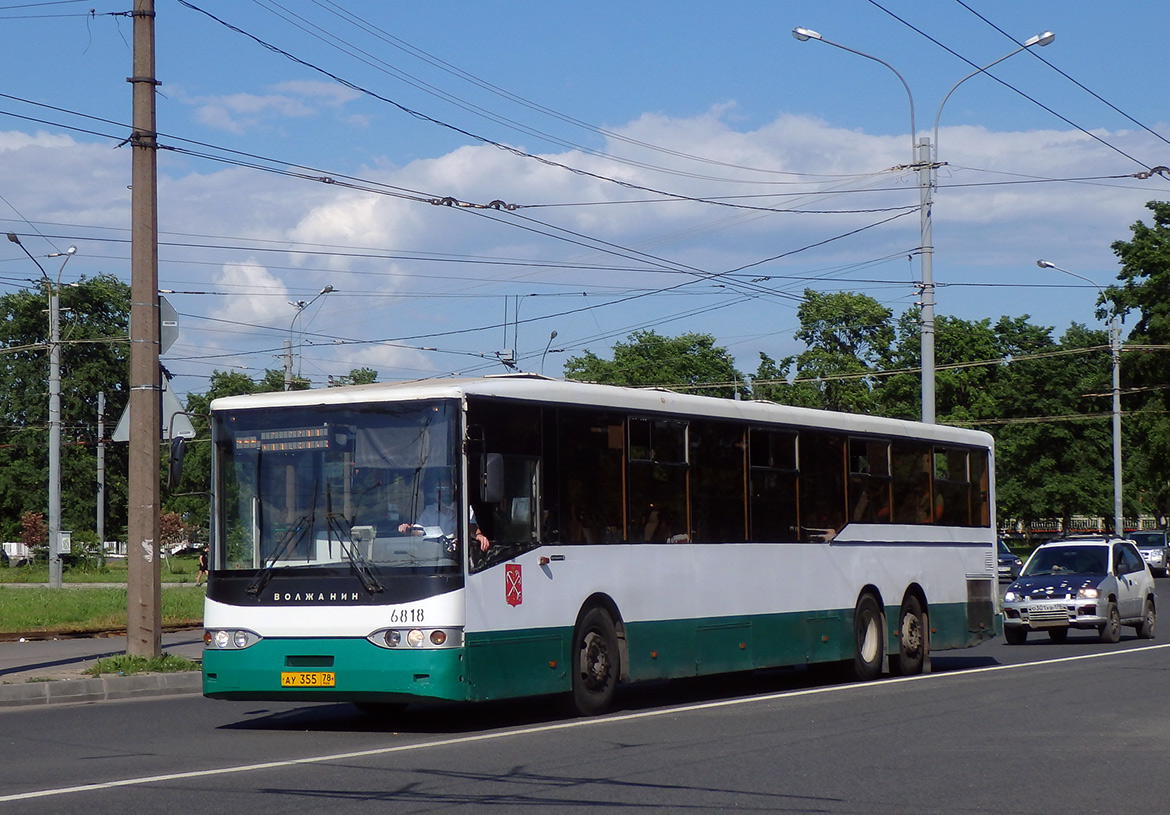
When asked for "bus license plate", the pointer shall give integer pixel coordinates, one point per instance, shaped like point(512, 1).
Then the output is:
point(307, 679)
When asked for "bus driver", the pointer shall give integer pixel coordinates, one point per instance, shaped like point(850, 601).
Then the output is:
point(441, 515)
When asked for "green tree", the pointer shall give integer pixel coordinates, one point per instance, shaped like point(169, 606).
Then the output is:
point(960, 386)
point(94, 358)
point(688, 363)
point(1144, 290)
point(847, 336)
point(357, 376)
point(1052, 436)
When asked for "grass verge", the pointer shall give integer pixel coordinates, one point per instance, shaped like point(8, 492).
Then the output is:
point(87, 611)
point(124, 665)
point(174, 570)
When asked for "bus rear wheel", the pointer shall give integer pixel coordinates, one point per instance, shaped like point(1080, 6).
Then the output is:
point(868, 639)
point(913, 640)
point(596, 665)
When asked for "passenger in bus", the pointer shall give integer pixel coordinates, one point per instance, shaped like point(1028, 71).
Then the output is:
point(441, 515)
point(820, 526)
point(580, 525)
point(657, 526)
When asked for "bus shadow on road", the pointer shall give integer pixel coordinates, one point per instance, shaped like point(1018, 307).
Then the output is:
point(440, 718)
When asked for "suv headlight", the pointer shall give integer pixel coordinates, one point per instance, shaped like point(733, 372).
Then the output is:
point(1012, 597)
point(1087, 593)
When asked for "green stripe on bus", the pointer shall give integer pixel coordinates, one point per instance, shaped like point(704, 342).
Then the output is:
point(507, 664)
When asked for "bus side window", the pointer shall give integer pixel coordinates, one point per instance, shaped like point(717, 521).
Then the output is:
point(869, 481)
point(719, 509)
point(911, 483)
point(591, 459)
point(822, 485)
point(657, 471)
point(952, 479)
point(772, 478)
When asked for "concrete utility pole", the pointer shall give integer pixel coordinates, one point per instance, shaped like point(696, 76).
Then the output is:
point(101, 470)
point(144, 578)
point(55, 423)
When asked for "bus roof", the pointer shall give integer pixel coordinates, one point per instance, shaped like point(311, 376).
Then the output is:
point(536, 388)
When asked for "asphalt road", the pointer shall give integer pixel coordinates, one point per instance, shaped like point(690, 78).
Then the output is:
point(1079, 727)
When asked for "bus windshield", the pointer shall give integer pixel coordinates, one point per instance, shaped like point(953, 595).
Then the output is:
point(374, 487)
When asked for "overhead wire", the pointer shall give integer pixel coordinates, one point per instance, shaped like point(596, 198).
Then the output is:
point(1094, 94)
point(385, 37)
point(1007, 85)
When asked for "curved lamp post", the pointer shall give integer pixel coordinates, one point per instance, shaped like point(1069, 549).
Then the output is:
point(1115, 356)
point(552, 336)
point(54, 407)
point(921, 156)
point(300, 306)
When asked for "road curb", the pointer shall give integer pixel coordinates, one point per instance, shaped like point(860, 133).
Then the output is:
point(100, 689)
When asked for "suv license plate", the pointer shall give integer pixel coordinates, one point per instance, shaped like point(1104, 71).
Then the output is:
point(307, 679)
point(1042, 607)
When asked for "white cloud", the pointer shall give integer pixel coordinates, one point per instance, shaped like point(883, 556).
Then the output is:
point(328, 93)
point(242, 112)
point(989, 233)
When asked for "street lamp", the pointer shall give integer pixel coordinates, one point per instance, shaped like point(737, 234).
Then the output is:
point(926, 162)
point(299, 305)
point(551, 337)
point(54, 408)
point(1115, 355)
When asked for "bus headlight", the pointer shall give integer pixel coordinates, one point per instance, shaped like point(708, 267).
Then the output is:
point(228, 640)
point(428, 638)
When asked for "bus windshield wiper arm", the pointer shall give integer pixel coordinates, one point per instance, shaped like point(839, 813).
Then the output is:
point(294, 533)
point(338, 524)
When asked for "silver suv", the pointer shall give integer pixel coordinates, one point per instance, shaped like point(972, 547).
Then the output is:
point(1155, 548)
point(1090, 583)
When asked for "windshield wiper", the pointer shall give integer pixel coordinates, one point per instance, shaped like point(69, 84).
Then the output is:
point(337, 523)
point(294, 533)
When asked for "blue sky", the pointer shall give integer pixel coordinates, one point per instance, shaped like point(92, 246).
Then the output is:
point(615, 117)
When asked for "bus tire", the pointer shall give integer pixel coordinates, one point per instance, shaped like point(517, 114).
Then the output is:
point(913, 640)
point(868, 639)
point(596, 663)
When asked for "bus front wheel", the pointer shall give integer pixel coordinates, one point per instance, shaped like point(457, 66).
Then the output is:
point(596, 663)
point(868, 639)
point(913, 640)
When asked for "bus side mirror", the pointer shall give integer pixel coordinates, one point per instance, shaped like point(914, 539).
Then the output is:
point(492, 488)
point(175, 461)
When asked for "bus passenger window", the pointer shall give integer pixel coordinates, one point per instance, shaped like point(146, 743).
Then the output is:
point(591, 449)
point(869, 481)
point(951, 503)
point(718, 500)
point(657, 473)
point(822, 485)
point(911, 483)
point(772, 475)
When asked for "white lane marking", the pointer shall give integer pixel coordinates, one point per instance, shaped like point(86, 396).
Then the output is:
point(525, 731)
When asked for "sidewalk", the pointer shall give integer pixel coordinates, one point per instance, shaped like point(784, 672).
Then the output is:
point(50, 671)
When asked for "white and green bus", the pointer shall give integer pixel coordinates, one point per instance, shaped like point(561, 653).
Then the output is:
point(616, 535)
